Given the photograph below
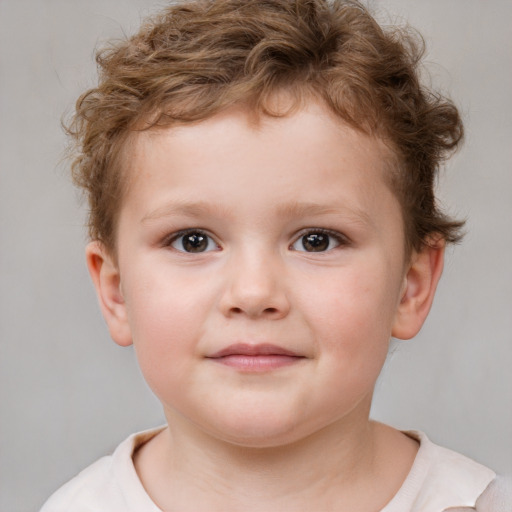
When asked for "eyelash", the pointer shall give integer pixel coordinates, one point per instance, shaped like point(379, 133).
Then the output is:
point(340, 239)
point(175, 237)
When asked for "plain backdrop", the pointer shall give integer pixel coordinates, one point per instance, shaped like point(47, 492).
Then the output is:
point(69, 395)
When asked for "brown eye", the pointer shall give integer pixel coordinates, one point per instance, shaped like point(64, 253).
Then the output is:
point(193, 242)
point(318, 241)
point(315, 242)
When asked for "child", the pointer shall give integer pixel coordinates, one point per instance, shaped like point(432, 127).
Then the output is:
point(260, 179)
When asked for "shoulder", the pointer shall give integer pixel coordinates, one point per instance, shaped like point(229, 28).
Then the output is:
point(451, 469)
point(440, 479)
point(451, 479)
point(497, 497)
point(86, 491)
point(110, 484)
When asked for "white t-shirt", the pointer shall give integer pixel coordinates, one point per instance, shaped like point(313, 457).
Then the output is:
point(439, 479)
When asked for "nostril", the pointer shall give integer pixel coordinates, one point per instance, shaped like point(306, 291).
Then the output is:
point(266, 311)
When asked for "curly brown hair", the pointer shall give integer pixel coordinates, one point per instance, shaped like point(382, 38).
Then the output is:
point(201, 56)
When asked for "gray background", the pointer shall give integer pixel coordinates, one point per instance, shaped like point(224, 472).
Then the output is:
point(69, 395)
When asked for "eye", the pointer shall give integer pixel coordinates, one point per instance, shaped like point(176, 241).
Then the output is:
point(193, 241)
point(318, 241)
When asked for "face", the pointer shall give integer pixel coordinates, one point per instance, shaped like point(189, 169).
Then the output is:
point(260, 272)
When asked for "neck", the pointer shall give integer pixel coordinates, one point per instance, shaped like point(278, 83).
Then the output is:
point(187, 469)
point(298, 465)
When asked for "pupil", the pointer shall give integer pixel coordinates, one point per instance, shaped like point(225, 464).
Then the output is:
point(315, 242)
point(195, 242)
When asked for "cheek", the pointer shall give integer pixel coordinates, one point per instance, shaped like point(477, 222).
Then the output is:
point(353, 302)
point(163, 306)
point(166, 325)
point(351, 317)
point(353, 343)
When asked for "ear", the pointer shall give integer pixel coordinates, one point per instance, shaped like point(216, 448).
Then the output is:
point(420, 283)
point(107, 281)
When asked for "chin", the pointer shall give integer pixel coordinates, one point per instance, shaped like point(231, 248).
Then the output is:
point(262, 431)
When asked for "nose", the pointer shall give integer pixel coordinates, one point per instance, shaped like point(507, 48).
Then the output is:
point(255, 286)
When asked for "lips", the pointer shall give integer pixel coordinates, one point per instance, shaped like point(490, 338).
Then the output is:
point(255, 358)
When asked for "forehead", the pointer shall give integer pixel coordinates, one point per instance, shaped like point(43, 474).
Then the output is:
point(312, 129)
point(309, 156)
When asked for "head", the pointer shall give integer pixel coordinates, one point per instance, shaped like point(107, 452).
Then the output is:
point(263, 320)
point(201, 57)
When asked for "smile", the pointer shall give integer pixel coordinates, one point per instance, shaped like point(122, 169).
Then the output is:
point(255, 358)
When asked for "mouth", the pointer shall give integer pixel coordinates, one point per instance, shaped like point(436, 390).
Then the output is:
point(255, 358)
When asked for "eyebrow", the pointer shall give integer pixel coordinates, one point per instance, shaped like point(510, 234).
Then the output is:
point(184, 208)
point(303, 209)
point(289, 210)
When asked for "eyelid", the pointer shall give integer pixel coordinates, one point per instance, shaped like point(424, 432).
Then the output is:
point(176, 235)
point(341, 239)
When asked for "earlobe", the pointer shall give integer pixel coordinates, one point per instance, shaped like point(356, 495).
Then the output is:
point(419, 288)
point(107, 282)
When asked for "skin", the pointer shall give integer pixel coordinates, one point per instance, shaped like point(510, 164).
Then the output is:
point(239, 439)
